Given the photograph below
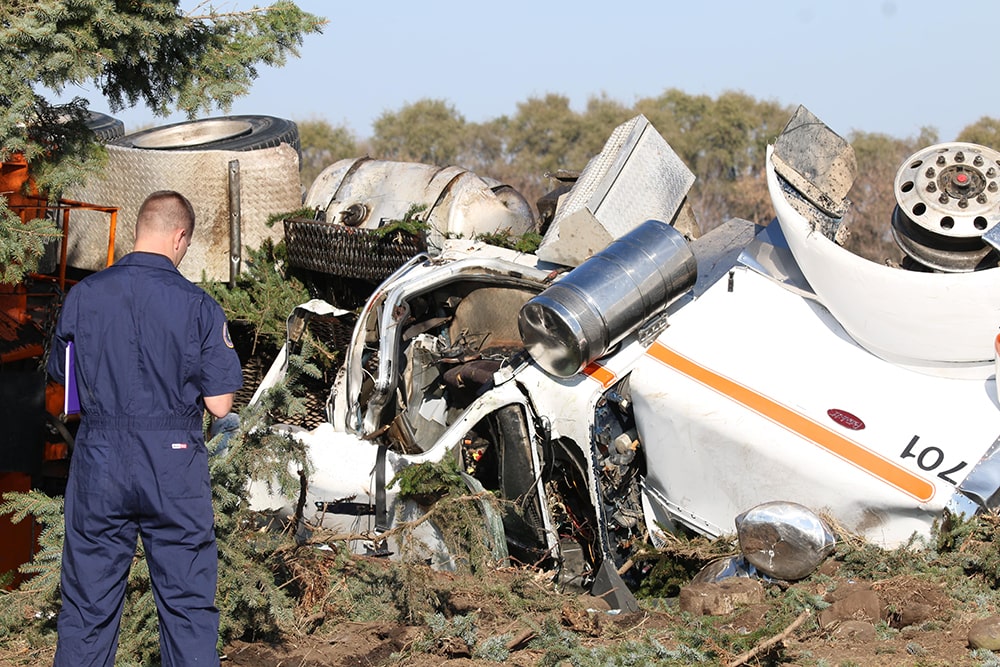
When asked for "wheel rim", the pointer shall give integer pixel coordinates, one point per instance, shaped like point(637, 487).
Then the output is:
point(947, 196)
point(193, 134)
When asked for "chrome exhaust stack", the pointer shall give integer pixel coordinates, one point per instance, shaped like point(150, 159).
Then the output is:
point(593, 307)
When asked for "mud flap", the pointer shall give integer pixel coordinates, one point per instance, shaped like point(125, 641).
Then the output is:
point(609, 586)
point(381, 513)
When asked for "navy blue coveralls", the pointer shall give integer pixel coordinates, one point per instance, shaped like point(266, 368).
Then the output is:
point(149, 345)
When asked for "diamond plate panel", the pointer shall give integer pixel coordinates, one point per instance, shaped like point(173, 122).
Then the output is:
point(636, 177)
point(269, 184)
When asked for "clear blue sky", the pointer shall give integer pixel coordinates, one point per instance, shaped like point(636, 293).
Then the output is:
point(889, 66)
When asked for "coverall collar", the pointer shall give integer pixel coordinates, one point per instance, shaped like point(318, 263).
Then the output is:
point(152, 260)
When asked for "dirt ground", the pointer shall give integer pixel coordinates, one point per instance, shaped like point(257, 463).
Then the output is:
point(918, 624)
point(902, 620)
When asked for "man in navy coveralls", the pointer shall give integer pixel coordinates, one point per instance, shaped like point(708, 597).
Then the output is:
point(152, 352)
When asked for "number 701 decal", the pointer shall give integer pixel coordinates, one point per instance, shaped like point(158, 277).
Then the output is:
point(931, 458)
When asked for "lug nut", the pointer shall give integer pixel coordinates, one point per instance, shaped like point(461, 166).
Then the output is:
point(943, 198)
point(930, 173)
point(932, 187)
point(963, 203)
point(992, 187)
point(981, 198)
point(978, 161)
point(959, 156)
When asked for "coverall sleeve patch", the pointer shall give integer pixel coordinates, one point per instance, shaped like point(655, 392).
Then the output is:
point(226, 338)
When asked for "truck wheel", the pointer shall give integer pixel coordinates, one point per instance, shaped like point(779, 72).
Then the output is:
point(226, 133)
point(105, 127)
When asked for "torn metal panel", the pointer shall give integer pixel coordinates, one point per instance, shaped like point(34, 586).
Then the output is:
point(982, 485)
point(768, 254)
point(816, 161)
point(717, 251)
point(636, 177)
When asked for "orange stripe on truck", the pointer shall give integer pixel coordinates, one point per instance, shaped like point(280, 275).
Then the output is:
point(844, 448)
point(595, 371)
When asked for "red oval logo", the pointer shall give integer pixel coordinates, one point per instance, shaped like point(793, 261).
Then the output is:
point(845, 419)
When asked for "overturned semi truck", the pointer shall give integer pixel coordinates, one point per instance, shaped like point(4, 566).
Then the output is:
point(630, 379)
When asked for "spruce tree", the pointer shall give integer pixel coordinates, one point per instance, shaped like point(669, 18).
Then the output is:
point(151, 53)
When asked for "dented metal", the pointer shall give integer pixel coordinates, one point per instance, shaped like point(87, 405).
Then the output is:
point(756, 379)
point(784, 540)
point(580, 317)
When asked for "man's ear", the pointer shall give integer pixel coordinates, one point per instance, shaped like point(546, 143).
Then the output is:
point(179, 237)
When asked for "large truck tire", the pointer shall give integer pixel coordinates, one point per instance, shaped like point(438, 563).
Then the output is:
point(226, 133)
point(106, 128)
point(198, 159)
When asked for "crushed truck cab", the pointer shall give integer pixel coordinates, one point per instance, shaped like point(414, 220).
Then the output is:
point(672, 383)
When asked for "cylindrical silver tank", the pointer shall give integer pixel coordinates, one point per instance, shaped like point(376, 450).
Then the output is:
point(580, 317)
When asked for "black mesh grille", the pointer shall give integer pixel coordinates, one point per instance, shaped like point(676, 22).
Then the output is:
point(350, 252)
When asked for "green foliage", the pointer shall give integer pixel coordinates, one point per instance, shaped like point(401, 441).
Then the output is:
point(323, 145)
point(969, 544)
point(273, 219)
point(365, 589)
point(677, 561)
point(28, 612)
point(561, 647)
point(430, 481)
point(546, 135)
point(985, 131)
point(264, 295)
point(864, 559)
point(668, 575)
point(250, 597)
point(986, 657)
point(493, 648)
point(960, 554)
point(440, 630)
point(710, 637)
point(441, 634)
point(466, 521)
point(410, 224)
point(21, 244)
point(133, 52)
point(527, 242)
point(428, 131)
point(148, 52)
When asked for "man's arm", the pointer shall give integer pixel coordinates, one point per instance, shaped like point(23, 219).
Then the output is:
point(220, 369)
point(62, 335)
point(219, 406)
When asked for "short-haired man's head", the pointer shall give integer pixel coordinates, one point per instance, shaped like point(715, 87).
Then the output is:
point(163, 212)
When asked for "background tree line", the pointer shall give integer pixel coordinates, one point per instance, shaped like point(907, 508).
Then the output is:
point(722, 140)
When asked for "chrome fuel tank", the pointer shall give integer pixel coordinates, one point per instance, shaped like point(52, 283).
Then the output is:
point(580, 317)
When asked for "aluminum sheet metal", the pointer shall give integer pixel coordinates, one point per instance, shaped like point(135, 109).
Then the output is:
point(269, 185)
point(636, 177)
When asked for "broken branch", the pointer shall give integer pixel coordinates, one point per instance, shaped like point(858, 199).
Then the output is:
point(765, 645)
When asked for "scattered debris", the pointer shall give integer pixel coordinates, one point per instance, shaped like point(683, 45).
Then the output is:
point(658, 387)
